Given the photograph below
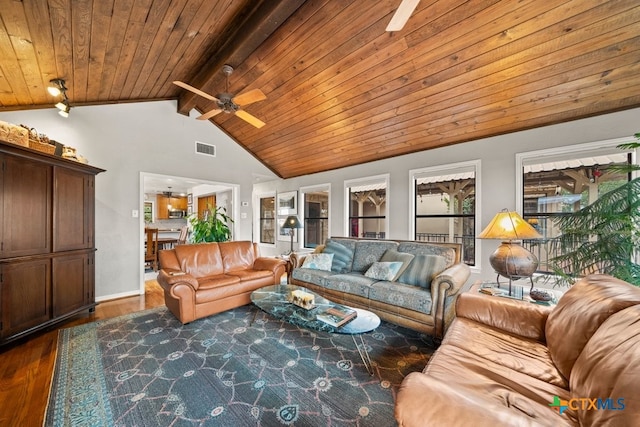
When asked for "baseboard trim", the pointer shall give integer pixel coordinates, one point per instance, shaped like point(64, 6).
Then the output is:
point(117, 296)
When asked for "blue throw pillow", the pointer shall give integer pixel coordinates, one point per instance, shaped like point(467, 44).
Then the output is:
point(318, 261)
point(342, 256)
point(422, 270)
point(391, 255)
point(383, 270)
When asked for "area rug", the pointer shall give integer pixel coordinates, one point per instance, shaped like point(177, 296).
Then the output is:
point(147, 369)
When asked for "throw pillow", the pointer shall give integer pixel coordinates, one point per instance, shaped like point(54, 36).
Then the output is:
point(342, 256)
point(422, 270)
point(383, 270)
point(392, 255)
point(318, 261)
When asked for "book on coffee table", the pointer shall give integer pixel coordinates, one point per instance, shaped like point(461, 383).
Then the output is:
point(337, 315)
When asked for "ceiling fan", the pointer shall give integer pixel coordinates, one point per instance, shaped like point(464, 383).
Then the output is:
point(402, 15)
point(227, 102)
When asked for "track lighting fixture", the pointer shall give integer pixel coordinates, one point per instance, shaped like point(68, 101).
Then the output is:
point(57, 88)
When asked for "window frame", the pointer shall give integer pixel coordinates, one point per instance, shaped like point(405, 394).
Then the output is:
point(258, 219)
point(474, 166)
point(373, 179)
point(313, 189)
point(566, 152)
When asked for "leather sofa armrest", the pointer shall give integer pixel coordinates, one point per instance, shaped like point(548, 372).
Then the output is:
point(517, 317)
point(424, 400)
point(270, 264)
point(445, 288)
point(167, 278)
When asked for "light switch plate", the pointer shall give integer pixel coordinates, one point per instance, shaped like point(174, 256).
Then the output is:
point(134, 213)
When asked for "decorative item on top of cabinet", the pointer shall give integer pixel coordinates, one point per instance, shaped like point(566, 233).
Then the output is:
point(47, 240)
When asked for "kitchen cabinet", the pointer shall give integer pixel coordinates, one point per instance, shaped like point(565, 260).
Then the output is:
point(47, 243)
point(163, 203)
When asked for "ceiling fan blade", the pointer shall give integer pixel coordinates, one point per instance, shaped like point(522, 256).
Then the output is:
point(194, 90)
point(250, 97)
point(402, 15)
point(250, 119)
point(209, 114)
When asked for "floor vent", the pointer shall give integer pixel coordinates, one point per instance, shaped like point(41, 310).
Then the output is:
point(206, 149)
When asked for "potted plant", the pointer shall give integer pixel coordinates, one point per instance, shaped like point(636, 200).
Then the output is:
point(603, 237)
point(212, 227)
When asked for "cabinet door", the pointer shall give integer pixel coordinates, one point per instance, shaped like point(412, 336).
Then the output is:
point(162, 207)
point(72, 283)
point(73, 210)
point(26, 207)
point(25, 295)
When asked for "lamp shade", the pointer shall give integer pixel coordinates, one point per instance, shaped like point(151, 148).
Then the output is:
point(292, 221)
point(509, 226)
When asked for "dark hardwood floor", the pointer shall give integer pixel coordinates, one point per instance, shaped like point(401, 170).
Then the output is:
point(26, 366)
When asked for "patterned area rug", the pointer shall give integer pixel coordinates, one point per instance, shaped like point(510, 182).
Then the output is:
point(147, 369)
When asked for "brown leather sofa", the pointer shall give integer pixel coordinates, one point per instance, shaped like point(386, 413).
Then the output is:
point(513, 363)
point(208, 278)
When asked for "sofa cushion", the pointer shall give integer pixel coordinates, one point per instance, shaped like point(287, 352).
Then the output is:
point(200, 260)
point(351, 283)
point(511, 394)
point(528, 356)
point(422, 270)
point(392, 255)
point(237, 255)
point(310, 276)
point(608, 369)
point(580, 312)
point(318, 261)
point(400, 295)
point(383, 270)
point(419, 248)
point(369, 251)
point(342, 254)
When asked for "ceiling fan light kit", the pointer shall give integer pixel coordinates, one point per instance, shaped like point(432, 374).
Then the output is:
point(228, 103)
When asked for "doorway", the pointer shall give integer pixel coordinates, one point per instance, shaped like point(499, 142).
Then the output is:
point(154, 186)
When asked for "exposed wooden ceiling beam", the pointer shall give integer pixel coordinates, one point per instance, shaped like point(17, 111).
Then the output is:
point(246, 33)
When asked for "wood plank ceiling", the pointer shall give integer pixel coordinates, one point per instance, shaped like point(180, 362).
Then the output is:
point(340, 90)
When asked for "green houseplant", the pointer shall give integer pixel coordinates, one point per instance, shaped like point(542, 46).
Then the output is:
point(212, 227)
point(604, 236)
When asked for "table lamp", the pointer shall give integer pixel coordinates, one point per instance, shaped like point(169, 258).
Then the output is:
point(292, 222)
point(510, 259)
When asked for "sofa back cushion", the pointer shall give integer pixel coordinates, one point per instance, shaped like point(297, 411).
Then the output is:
point(450, 251)
point(422, 269)
point(200, 259)
point(342, 250)
point(580, 312)
point(369, 251)
point(238, 255)
point(607, 370)
point(392, 255)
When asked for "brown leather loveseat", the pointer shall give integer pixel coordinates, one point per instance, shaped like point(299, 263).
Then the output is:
point(208, 278)
point(512, 363)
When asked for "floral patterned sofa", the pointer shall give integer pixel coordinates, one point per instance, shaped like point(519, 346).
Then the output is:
point(412, 284)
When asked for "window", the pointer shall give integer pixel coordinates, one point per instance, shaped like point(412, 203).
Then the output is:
point(444, 200)
point(316, 215)
point(367, 207)
point(267, 218)
point(558, 182)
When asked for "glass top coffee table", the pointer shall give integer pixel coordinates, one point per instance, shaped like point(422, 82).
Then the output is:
point(273, 300)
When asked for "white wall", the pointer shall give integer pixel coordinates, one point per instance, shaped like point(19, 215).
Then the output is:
point(126, 139)
point(498, 188)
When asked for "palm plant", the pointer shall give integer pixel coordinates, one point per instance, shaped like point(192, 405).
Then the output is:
point(212, 227)
point(604, 236)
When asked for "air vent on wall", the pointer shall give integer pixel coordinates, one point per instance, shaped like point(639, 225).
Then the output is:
point(206, 149)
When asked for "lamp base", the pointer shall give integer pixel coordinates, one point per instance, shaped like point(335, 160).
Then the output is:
point(513, 262)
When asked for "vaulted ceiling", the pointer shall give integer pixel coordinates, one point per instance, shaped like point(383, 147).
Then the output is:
point(340, 90)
